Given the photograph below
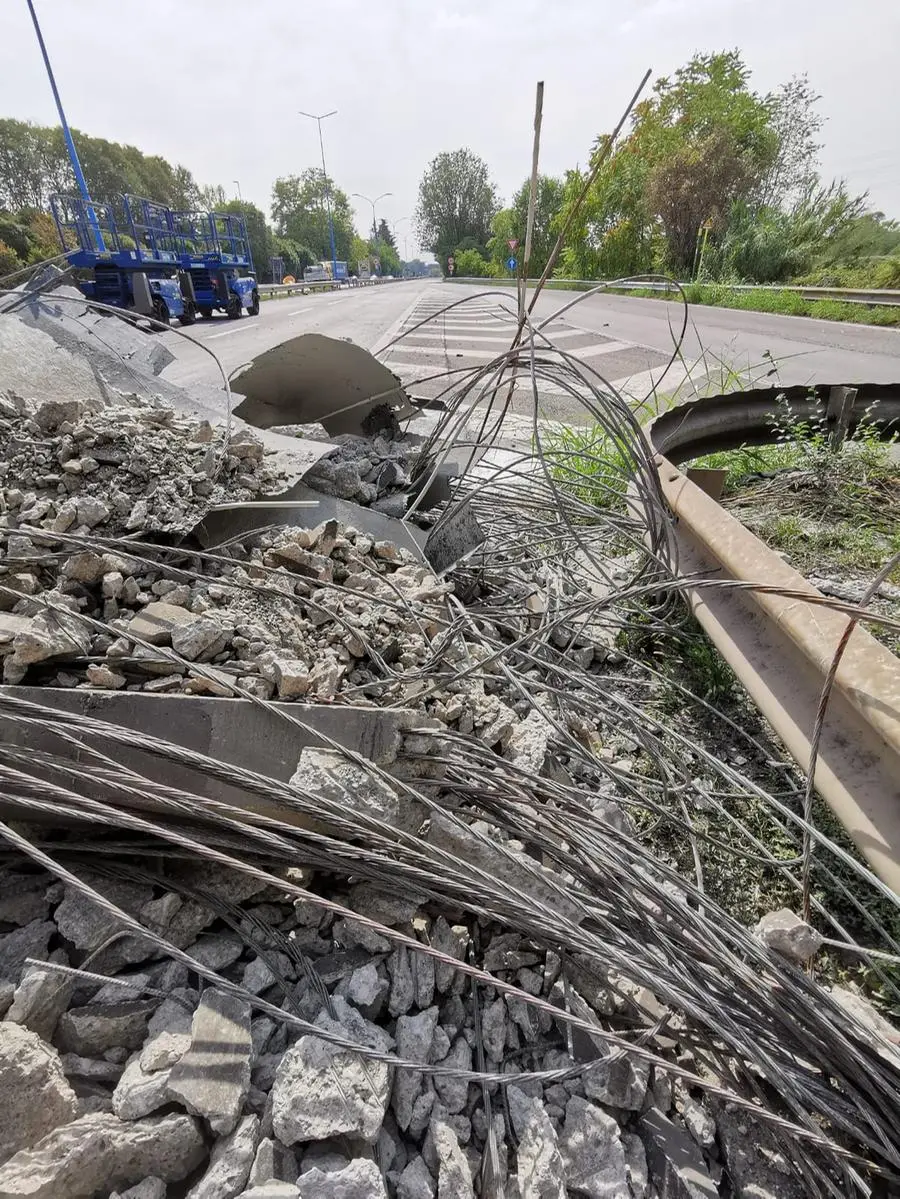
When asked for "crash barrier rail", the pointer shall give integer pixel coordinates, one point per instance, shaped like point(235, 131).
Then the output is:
point(775, 630)
point(850, 295)
point(289, 289)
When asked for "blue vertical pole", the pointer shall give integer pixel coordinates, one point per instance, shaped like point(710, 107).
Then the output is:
point(70, 145)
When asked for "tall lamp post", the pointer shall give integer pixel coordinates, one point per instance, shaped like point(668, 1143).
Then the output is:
point(373, 203)
point(399, 221)
point(319, 119)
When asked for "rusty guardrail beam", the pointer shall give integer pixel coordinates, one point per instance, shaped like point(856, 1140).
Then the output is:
point(781, 648)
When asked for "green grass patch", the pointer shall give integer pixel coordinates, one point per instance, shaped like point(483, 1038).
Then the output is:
point(778, 301)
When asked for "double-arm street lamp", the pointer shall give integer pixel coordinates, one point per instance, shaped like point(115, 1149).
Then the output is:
point(319, 120)
point(368, 200)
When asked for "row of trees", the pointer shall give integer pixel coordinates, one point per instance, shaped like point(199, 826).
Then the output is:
point(712, 180)
point(34, 164)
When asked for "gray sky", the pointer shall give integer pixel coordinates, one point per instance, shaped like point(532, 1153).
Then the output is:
point(216, 84)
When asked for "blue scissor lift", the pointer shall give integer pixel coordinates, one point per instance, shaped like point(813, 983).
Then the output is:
point(133, 260)
point(215, 255)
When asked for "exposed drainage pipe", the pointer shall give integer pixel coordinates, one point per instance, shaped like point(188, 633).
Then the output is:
point(781, 649)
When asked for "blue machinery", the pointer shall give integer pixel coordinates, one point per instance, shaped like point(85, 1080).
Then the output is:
point(151, 260)
point(157, 261)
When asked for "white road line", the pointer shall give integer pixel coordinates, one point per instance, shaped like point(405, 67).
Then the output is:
point(229, 332)
point(460, 352)
point(305, 308)
point(610, 347)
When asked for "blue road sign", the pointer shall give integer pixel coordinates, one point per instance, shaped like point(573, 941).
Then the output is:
point(511, 264)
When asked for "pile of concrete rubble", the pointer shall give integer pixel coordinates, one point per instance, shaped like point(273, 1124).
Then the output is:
point(148, 1079)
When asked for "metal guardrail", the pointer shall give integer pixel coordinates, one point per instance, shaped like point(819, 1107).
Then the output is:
point(885, 297)
point(775, 629)
point(289, 289)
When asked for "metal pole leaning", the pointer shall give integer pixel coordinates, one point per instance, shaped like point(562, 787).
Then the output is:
point(67, 135)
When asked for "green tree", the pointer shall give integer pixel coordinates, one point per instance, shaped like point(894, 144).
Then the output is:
point(296, 257)
point(300, 213)
point(388, 258)
point(470, 264)
point(258, 233)
point(385, 235)
point(700, 142)
point(457, 200)
point(794, 120)
point(512, 223)
point(9, 260)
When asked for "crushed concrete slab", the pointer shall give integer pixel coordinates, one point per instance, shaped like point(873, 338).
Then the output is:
point(35, 367)
point(317, 378)
point(213, 1078)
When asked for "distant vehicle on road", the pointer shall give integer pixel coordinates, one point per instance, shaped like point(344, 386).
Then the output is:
point(321, 272)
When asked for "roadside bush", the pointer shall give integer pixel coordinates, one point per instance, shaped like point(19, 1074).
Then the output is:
point(469, 263)
point(9, 260)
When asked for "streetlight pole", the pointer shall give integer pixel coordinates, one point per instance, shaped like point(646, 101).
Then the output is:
point(373, 203)
point(67, 135)
point(319, 120)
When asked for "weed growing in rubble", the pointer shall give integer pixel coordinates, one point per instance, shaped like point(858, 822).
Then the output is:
point(587, 462)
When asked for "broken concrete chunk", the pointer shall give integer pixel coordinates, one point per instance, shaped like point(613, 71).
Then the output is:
point(201, 637)
point(273, 1162)
point(414, 1035)
point(40, 999)
point(416, 1181)
point(35, 1096)
point(675, 1160)
point(291, 678)
point(322, 1091)
point(229, 1165)
point(156, 622)
point(99, 1152)
point(90, 1031)
point(140, 1091)
point(454, 1172)
point(788, 935)
point(29, 941)
point(213, 1078)
point(331, 775)
point(150, 1188)
point(540, 1168)
point(361, 1179)
point(51, 635)
point(592, 1152)
point(879, 1032)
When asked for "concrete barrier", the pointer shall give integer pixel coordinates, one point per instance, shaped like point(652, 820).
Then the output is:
point(235, 732)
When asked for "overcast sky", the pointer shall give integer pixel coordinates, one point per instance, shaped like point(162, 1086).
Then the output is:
point(216, 84)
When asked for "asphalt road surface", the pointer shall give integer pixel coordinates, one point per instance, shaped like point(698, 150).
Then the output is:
point(629, 341)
